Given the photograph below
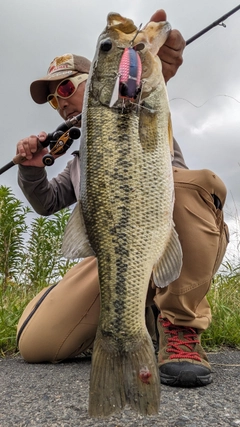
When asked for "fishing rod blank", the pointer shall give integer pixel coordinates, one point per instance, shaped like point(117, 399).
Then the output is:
point(214, 24)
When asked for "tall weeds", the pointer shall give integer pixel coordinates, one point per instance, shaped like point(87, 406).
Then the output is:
point(44, 264)
point(30, 259)
point(12, 228)
point(30, 255)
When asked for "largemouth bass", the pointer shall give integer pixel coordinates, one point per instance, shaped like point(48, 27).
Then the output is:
point(124, 216)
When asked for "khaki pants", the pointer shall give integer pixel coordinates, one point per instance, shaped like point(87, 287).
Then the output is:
point(64, 322)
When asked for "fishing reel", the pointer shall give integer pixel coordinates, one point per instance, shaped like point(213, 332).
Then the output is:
point(59, 143)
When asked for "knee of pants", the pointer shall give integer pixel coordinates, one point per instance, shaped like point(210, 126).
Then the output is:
point(203, 180)
point(47, 339)
point(66, 320)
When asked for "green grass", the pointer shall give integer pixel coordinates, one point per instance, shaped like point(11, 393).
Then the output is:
point(13, 300)
point(224, 298)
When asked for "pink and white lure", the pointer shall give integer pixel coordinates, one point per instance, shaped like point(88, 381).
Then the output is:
point(128, 83)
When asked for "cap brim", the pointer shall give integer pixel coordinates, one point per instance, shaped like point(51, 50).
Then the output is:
point(39, 89)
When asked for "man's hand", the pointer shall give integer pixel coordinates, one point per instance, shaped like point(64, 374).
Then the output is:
point(29, 148)
point(171, 53)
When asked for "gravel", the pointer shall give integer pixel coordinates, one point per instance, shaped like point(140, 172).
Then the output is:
point(57, 396)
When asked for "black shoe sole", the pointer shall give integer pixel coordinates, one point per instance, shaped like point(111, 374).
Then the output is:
point(186, 379)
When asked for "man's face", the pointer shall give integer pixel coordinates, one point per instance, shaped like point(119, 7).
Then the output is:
point(72, 106)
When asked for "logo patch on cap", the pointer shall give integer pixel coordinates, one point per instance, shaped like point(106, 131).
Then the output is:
point(61, 63)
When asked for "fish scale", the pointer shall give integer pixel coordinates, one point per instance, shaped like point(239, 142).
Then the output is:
point(124, 216)
point(114, 243)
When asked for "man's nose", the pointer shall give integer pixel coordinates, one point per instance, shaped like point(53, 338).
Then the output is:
point(62, 103)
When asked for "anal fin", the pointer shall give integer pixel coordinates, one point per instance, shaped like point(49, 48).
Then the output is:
point(168, 267)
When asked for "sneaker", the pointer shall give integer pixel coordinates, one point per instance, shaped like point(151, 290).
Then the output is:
point(181, 359)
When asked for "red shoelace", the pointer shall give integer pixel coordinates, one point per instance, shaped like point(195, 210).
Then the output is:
point(190, 338)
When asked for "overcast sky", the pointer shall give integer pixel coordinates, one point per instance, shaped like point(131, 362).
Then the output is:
point(33, 32)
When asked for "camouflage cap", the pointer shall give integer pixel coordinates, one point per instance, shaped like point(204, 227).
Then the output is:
point(60, 68)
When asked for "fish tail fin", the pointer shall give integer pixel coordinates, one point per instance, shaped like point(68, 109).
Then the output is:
point(120, 378)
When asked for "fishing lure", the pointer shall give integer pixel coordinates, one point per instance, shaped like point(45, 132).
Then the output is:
point(128, 82)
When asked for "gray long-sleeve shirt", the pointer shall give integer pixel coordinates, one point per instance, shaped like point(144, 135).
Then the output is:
point(47, 197)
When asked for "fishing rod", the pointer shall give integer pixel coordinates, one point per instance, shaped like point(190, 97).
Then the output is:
point(59, 142)
point(214, 24)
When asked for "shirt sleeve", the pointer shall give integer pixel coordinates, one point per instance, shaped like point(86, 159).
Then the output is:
point(46, 196)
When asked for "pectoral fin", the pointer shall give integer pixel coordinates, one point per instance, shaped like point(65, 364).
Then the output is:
point(168, 267)
point(75, 240)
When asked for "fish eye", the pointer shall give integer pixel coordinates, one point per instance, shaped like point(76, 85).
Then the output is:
point(139, 46)
point(106, 45)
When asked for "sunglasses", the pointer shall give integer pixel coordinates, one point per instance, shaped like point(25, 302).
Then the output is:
point(65, 89)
